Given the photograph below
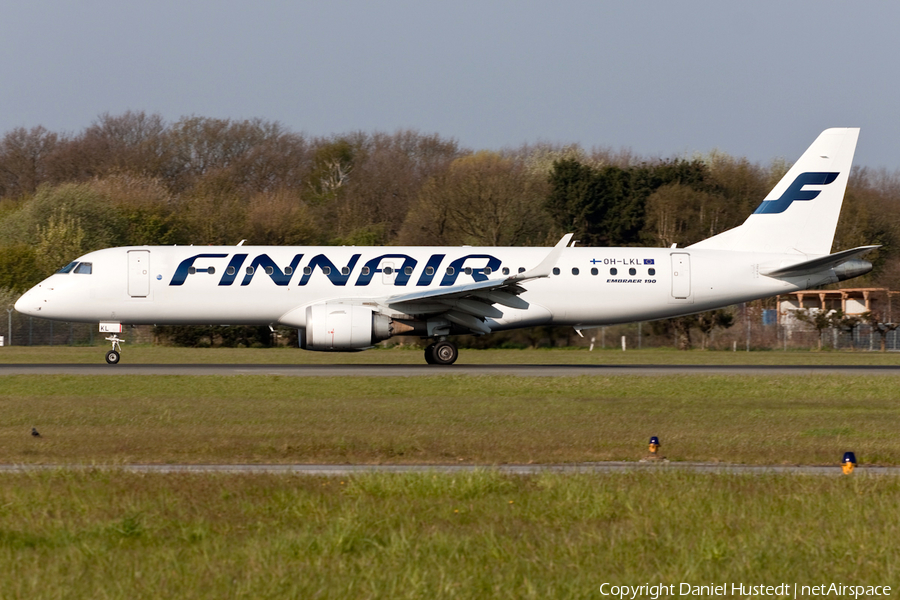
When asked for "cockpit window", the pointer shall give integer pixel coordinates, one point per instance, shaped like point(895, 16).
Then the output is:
point(68, 267)
point(84, 268)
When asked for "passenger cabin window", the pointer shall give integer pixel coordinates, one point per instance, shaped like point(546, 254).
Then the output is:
point(387, 270)
point(614, 271)
point(450, 271)
point(365, 270)
point(326, 270)
point(556, 270)
point(68, 267)
point(307, 270)
point(594, 271)
point(249, 270)
point(488, 271)
point(229, 271)
point(192, 270)
point(406, 270)
point(651, 271)
point(345, 270)
point(468, 270)
point(575, 271)
point(83, 268)
point(269, 270)
point(288, 270)
point(506, 270)
point(429, 271)
point(521, 269)
point(211, 270)
point(632, 271)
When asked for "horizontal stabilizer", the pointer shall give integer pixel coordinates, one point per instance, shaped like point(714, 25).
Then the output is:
point(816, 265)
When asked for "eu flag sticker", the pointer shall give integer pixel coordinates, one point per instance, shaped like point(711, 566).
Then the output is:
point(648, 261)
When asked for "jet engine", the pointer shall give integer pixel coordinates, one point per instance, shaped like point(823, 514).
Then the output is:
point(335, 326)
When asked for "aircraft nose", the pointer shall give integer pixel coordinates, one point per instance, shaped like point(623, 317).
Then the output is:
point(29, 303)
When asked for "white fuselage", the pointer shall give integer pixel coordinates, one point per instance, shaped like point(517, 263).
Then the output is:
point(212, 285)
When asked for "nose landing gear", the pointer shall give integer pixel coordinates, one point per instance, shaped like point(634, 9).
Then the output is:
point(112, 357)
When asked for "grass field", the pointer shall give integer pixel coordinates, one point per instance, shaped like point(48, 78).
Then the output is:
point(142, 354)
point(447, 419)
point(113, 534)
point(474, 535)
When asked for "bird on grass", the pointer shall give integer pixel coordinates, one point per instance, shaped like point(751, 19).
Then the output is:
point(35, 432)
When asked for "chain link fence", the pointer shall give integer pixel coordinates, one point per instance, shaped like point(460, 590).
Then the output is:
point(20, 330)
point(749, 332)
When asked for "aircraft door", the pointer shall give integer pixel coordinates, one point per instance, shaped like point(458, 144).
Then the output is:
point(138, 273)
point(681, 275)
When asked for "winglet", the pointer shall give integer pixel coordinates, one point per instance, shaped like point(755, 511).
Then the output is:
point(546, 266)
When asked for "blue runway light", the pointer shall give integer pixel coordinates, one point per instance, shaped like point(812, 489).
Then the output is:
point(848, 463)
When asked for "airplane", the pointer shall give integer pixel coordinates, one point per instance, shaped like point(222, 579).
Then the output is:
point(350, 298)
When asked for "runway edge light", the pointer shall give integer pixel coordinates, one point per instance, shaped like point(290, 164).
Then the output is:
point(848, 463)
point(654, 444)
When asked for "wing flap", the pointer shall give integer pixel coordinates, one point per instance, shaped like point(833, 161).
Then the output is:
point(465, 320)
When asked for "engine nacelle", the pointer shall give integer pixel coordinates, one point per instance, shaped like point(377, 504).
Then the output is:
point(336, 327)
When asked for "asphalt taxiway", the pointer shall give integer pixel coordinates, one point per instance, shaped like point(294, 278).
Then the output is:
point(395, 370)
point(524, 469)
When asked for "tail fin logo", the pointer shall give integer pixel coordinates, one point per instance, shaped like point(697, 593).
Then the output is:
point(796, 193)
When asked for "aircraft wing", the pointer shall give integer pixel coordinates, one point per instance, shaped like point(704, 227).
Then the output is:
point(468, 305)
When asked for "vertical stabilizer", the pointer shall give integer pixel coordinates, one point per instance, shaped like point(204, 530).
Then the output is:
point(800, 214)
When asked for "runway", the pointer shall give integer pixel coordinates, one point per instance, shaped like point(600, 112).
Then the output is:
point(395, 370)
point(349, 470)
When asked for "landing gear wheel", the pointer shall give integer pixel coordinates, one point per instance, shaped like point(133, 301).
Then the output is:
point(444, 353)
point(112, 357)
point(429, 354)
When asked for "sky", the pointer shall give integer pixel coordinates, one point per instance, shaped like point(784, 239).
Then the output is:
point(755, 79)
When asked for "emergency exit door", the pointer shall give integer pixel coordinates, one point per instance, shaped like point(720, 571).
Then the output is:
point(138, 273)
point(681, 275)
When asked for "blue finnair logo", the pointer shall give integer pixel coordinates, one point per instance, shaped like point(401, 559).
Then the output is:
point(476, 266)
point(796, 192)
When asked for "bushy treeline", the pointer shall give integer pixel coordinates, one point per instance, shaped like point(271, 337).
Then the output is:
point(135, 179)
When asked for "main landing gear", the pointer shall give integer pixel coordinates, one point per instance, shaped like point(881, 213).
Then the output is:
point(112, 357)
point(441, 353)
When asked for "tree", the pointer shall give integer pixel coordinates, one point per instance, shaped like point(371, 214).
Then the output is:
point(19, 269)
point(819, 319)
point(678, 214)
point(387, 176)
point(59, 241)
point(705, 322)
point(482, 199)
point(848, 323)
point(874, 319)
point(25, 156)
point(147, 209)
point(709, 321)
point(332, 164)
point(280, 218)
point(65, 221)
point(606, 206)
